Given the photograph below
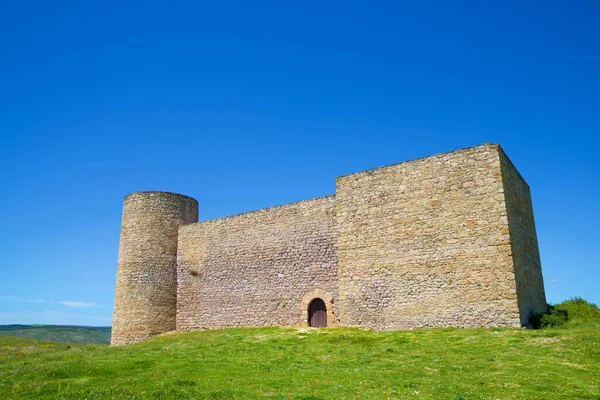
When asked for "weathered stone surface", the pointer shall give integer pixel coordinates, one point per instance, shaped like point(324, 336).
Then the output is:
point(256, 268)
point(426, 243)
point(523, 239)
point(146, 288)
point(446, 240)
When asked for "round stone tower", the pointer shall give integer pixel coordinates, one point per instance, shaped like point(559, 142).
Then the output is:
point(146, 290)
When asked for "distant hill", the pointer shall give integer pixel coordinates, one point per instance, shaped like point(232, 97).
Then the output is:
point(59, 333)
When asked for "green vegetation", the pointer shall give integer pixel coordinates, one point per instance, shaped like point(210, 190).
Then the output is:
point(338, 363)
point(574, 312)
point(570, 313)
point(59, 333)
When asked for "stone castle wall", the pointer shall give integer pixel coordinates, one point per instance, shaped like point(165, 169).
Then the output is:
point(446, 240)
point(426, 243)
point(524, 244)
point(146, 288)
point(257, 268)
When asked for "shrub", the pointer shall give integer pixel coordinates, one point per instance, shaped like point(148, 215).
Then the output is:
point(553, 317)
point(580, 310)
point(572, 312)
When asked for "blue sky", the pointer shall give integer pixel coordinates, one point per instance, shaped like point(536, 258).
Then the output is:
point(244, 106)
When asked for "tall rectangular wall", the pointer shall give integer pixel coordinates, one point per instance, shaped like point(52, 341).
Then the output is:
point(426, 243)
point(257, 268)
point(524, 243)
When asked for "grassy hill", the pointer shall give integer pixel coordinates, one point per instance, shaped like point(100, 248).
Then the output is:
point(338, 363)
point(59, 333)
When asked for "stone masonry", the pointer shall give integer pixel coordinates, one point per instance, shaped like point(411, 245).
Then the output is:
point(253, 269)
point(146, 290)
point(523, 240)
point(446, 240)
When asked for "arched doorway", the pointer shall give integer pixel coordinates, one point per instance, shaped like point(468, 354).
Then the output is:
point(317, 314)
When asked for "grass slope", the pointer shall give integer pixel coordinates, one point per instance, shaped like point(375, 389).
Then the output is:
point(338, 363)
point(560, 362)
point(59, 333)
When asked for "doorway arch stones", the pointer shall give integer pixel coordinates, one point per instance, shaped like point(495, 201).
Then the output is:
point(323, 295)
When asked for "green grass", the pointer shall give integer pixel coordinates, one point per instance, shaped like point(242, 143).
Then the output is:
point(337, 363)
point(59, 333)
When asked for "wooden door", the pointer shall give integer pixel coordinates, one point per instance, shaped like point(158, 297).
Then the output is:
point(317, 314)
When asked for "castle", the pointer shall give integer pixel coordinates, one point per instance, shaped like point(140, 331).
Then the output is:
point(442, 241)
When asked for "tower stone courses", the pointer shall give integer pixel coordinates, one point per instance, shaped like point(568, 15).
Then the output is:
point(425, 243)
point(146, 287)
point(524, 251)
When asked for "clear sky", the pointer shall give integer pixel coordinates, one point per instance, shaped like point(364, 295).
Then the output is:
point(245, 106)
